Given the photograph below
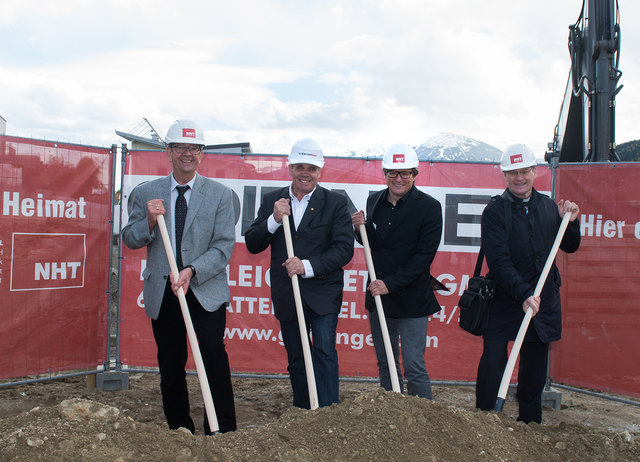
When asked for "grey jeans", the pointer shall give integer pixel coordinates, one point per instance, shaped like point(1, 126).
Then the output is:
point(410, 335)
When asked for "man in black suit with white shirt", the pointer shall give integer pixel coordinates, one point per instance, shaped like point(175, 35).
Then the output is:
point(323, 243)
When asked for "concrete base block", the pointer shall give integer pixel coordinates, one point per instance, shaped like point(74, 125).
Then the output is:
point(112, 380)
point(552, 398)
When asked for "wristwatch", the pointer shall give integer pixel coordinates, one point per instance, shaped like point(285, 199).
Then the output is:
point(193, 270)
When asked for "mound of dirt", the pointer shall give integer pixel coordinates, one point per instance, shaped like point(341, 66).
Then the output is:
point(368, 424)
point(379, 425)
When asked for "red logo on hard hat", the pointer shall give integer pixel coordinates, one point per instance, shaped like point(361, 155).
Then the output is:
point(398, 158)
point(188, 132)
point(516, 158)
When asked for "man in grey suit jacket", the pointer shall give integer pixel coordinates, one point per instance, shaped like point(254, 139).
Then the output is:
point(203, 246)
point(323, 244)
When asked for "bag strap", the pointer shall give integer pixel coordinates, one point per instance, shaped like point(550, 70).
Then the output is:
point(507, 227)
point(507, 212)
point(476, 272)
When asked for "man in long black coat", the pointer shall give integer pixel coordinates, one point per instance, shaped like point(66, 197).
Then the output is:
point(516, 252)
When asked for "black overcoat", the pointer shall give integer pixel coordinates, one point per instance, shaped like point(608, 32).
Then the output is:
point(516, 266)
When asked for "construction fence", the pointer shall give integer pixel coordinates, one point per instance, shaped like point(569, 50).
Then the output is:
point(57, 203)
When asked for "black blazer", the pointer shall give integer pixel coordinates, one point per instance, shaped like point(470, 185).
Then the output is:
point(324, 237)
point(402, 259)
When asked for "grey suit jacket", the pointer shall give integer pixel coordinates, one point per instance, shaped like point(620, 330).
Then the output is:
point(207, 240)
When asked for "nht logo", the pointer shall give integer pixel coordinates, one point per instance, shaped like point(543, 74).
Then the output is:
point(46, 261)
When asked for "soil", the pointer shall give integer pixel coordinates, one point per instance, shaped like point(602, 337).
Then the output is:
point(69, 420)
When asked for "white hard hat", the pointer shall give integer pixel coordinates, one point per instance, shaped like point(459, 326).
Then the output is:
point(517, 156)
point(400, 156)
point(184, 131)
point(306, 151)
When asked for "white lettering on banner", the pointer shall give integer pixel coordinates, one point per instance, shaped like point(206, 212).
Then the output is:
point(244, 333)
point(41, 207)
point(352, 278)
point(55, 270)
point(592, 225)
point(356, 341)
point(432, 341)
point(63, 266)
point(143, 265)
point(352, 313)
point(140, 300)
point(244, 275)
point(248, 276)
point(258, 276)
point(443, 317)
point(448, 281)
point(636, 232)
point(264, 305)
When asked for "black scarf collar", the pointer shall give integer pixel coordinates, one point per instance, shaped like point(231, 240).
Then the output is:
point(519, 204)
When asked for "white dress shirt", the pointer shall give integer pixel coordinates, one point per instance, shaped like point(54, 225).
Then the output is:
point(298, 207)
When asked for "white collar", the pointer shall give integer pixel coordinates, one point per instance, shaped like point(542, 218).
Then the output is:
point(174, 183)
point(306, 197)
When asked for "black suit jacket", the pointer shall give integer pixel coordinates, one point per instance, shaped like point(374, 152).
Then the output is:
point(324, 237)
point(402, 259)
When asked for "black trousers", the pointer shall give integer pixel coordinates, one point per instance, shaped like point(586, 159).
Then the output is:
point(170, 334)
point(532, 375)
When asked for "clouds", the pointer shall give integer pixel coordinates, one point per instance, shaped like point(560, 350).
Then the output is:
point(348, 73)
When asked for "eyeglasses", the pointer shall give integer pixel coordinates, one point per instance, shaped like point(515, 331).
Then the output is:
point(183, 149)
point(405, 174)
point(522, 171)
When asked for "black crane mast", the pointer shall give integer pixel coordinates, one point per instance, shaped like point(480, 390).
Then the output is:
point(585, 131)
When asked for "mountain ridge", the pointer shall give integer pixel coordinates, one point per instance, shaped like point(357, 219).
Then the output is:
point(441, 147)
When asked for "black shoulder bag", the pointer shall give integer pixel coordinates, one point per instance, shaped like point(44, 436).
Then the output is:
point(475, 302)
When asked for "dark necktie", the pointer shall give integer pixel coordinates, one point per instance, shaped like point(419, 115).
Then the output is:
point(181, 214)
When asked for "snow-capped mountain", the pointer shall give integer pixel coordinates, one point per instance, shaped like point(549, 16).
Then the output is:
point(442, 147)
point(375, 151)
point(447, 146)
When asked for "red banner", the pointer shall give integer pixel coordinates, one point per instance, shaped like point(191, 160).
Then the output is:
point(55, 205)
point(253, 334)
point(600, 346)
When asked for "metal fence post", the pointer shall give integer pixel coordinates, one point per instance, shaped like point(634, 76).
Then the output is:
point(113, 377)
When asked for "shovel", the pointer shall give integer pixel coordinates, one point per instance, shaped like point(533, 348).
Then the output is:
point(304, 337)
point(391, 362)
point(191, 333)
point(515, 350)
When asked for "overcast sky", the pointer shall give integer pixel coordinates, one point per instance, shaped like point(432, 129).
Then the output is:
point(348, 73)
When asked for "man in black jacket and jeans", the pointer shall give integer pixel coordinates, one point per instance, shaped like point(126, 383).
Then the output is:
point(323, 244)
point(515, 263)
point(404, 226)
